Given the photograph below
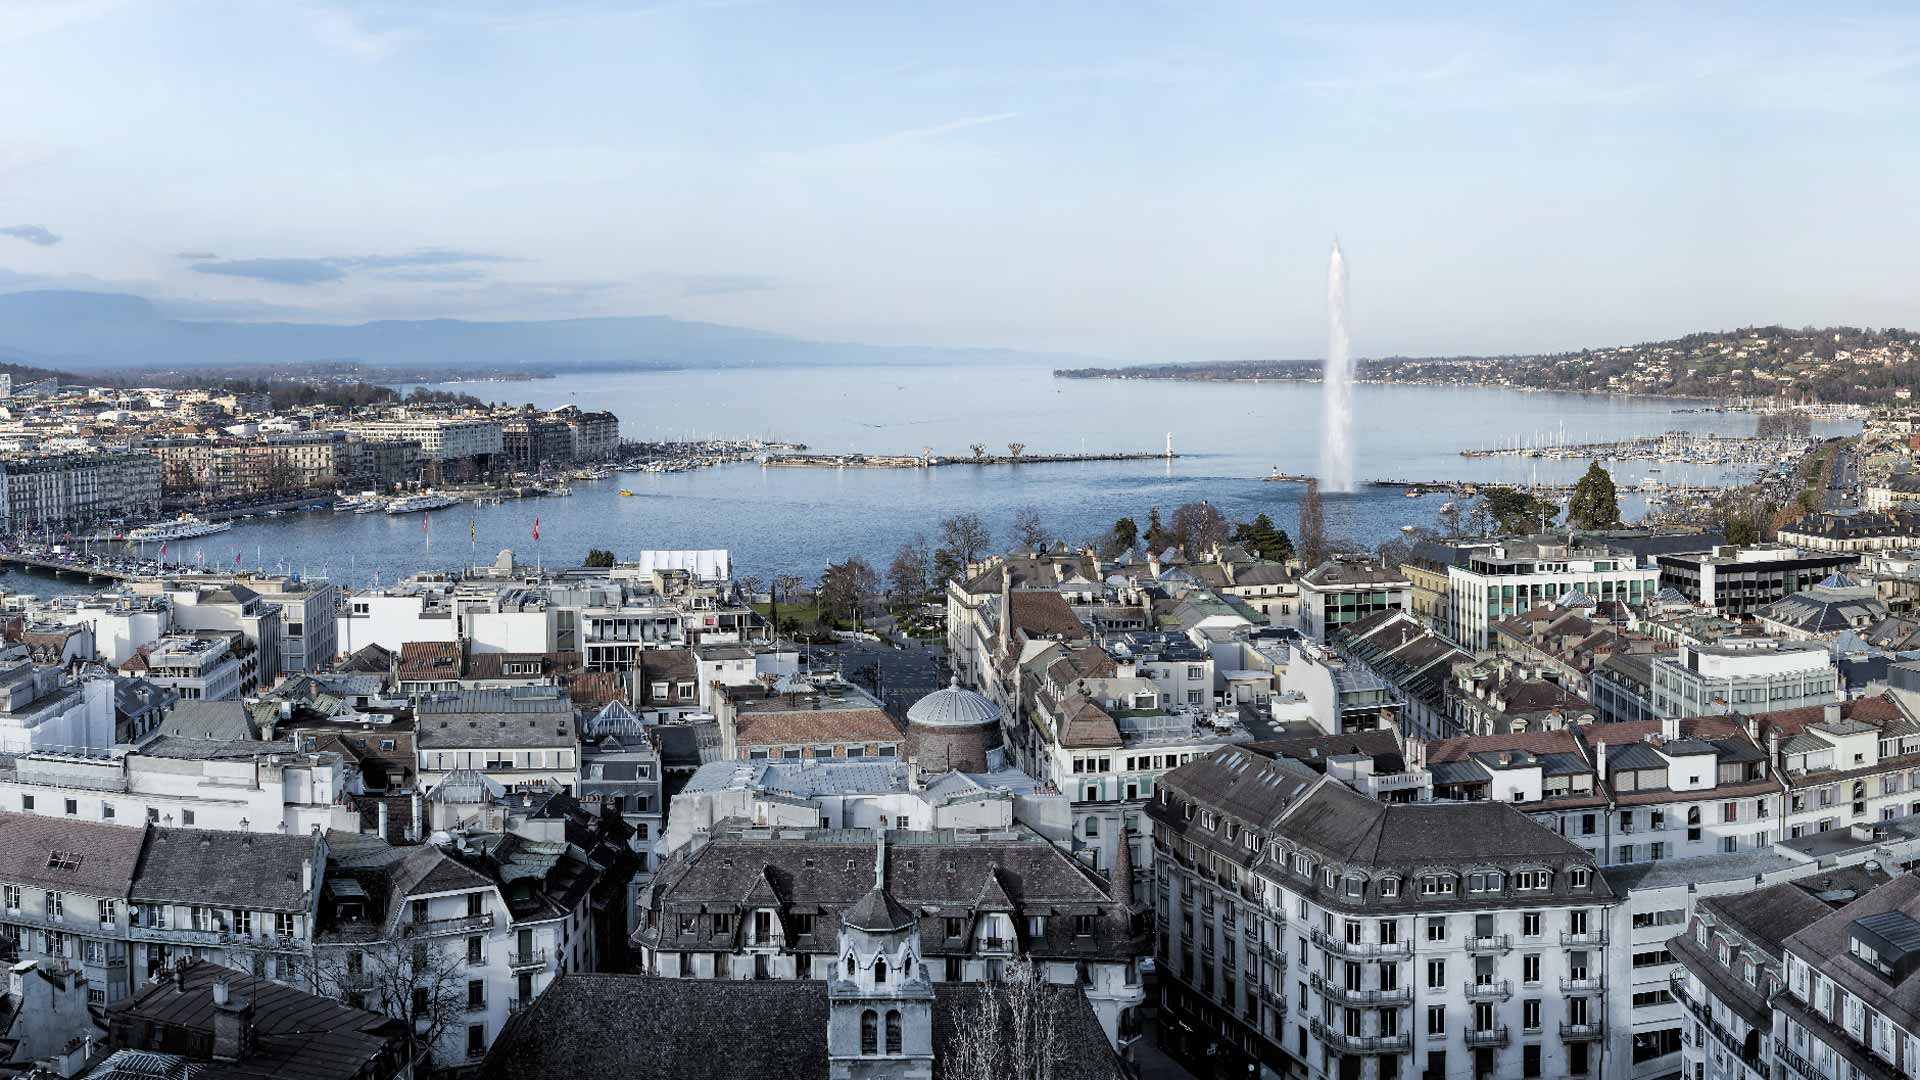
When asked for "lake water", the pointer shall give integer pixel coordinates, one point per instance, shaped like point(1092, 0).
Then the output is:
point(797, 520)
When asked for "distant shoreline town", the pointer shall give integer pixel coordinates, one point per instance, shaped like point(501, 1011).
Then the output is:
point(1766, 365)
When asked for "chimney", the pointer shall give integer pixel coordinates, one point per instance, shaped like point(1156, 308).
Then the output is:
point(381, 828)
point(413, 827)
point(1006, 607)
point(1773, 748)
point(1669, 728)
point(306, 874)
point(1600, 761)
point(232, 1024)
point(1830, 712)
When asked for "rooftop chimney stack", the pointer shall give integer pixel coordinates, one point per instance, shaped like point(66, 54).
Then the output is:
point(232, 1024)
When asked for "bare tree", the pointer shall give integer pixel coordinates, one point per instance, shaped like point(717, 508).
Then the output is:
point(1015, 449)
point(783, 585)
point(1313, 527)
point(848, 588)
point(965, 537)
point(1029, 531)
point(1198, 526)
point(1011, 1031)
point(748, 585)
point(910, 574)
point(979, 450)
point(421, 983)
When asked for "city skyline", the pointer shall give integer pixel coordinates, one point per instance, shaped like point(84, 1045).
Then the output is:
point(1141, 183)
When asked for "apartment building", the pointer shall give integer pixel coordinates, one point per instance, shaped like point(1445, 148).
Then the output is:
point(1853, 533)
point(1738, 580)
point(200, 667)
point(749, 905)
point(1305, 929)
point(254, 787)
point(516, 738)
point(244, 900)
point(1506, 579)
point(1346, 589)
point(1849, 1009)
point(1749, 675)
point(64, 889)
point(60, 491)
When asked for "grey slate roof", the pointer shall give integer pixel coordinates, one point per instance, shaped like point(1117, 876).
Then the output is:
point(254, 871)
point(107, 854)
point(640, 1027)
point(497, 719)
point(220, 721)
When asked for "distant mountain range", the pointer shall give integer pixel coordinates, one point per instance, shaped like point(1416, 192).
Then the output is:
point(85, 331)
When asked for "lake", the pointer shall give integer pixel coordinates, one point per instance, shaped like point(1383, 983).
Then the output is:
point(797, 520)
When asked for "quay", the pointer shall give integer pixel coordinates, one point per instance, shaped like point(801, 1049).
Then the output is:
point(93, 568)
point(930, 460)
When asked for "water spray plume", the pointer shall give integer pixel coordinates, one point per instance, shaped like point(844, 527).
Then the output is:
point(1336, 439)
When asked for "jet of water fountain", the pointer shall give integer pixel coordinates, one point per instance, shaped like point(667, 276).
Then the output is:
point(1336, 421)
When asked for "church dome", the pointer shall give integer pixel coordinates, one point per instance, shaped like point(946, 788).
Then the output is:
point(953, 706)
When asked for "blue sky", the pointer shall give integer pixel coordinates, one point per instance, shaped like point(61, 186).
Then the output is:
point(1136, 180)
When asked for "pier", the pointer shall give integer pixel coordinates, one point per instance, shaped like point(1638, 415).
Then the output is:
point(928, 460)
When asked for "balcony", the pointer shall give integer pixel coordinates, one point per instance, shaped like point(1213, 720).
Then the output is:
point(515, 1004)
point(463, 924)
point(1589, 938)
point(1489, 990)
point(1492, 943)
point(1362, 950)
point(1275, 996)
point(1587, 1032)
point(1005, 945)
point(526, 959)
point(1364, 999)
point(1274, 951)
point(1340, 1042)
point(1593, 985)
point(1482, 1037)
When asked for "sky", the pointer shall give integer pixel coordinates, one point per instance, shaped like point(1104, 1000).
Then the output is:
point(1137, 181)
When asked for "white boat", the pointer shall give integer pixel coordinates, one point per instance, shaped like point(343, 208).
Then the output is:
point(186, 528)
point(416, 503)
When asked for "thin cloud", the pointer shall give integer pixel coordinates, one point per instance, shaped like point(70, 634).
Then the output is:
point(440, 264)
point(951, 125)
point(196, 256)
point(341, 32)
point(37, 235)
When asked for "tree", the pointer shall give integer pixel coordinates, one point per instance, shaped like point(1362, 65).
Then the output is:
point(180, 476)
point(783, 585)
point(1159, 538)
point(910, 575)
point(1198, 526)
point(281, 476)
point(423, 984)
point(1011, 1030)
point(1028, 530)
point(1125, 534)
point(1262, 540)
point(748, 586)
point(1594, 504)
point(599, 557)
point(849, 588)
point(1514, 512)
point(964, 538)
point(1313, 527)
point(1452, 520)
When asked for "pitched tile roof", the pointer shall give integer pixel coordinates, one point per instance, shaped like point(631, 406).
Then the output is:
point(257, 871)
point(78, 856)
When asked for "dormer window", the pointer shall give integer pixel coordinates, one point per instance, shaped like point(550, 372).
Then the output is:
point(1580, 877)
point(1206, 819)
point(1532, 880)
point(1389, 887)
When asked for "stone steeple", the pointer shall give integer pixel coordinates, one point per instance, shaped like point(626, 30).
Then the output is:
point(879, 995)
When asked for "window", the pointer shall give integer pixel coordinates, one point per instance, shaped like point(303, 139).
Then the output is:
point(1436, 974)
point(1530, 924)
point(869, 1032)
point(1530, 1014)
point(893, 1031)
point(1437, 1021)
point(1437, 928)
point(476, 1039)
point(1530, 968)
point(476, 994)
point(186, 818)
point(1579, 877)
point(1083, 925)
point(73, 807)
